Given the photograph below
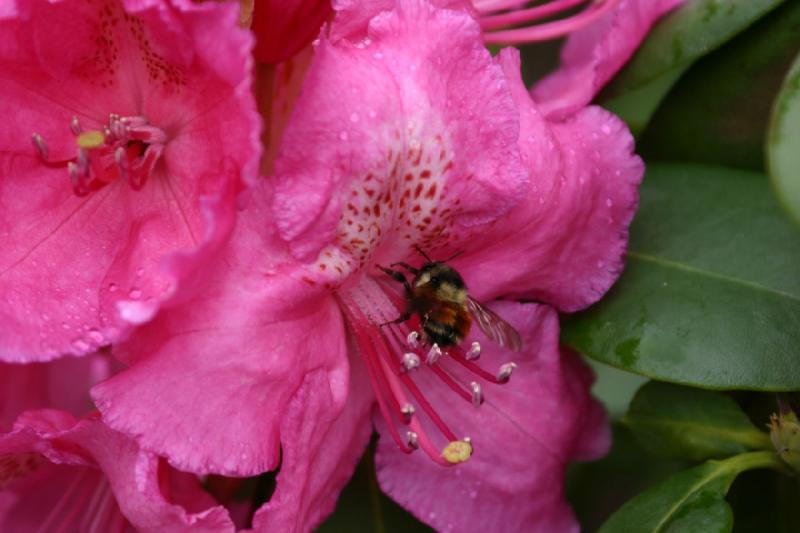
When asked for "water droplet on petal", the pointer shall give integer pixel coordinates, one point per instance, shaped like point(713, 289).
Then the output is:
point(135, 294)
point(353, 117)
point(343, 135)
point(609, 202)
point(96, 336)
point(139, 272)
point(112, 287)
point(81, 345)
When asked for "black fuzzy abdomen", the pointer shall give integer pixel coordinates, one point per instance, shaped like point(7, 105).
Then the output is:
point(446, 325)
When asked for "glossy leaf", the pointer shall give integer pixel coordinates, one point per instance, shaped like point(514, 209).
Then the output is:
point(725, 98)
point(783, 146)
point(685, 35)
point(690, 501)
point(685, 422)
point(710, 295)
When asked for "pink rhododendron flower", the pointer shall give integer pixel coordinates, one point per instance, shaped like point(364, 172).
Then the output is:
point(408, 134)
point(61, 473)
point(144, 130)
point(283, 27)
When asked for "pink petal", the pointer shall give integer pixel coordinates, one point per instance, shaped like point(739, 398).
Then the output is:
point(75, 273)
point(595, 53)
point(320, 450)
point(393, 166)
point(84, 476)
point(565, 244)
point(63, 384)
point(211, 378)
point(283, 27)
point(524, 435)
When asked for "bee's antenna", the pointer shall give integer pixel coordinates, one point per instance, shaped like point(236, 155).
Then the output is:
point(458, 253)
point(428, 259)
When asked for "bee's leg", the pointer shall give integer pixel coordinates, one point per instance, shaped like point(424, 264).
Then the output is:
point(406, 266)
point(398, 276)
point(399, 320)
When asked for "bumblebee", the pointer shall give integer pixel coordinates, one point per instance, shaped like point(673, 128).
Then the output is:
point(438, 296)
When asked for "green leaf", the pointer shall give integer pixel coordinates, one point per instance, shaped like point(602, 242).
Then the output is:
point(596, 489)
point(690, 501)
point(783, 145)
point(675, 43)
point(725, 98)
point(710, 295)
point(685, 422)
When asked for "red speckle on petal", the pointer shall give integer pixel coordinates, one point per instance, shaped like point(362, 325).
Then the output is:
point(431, 192)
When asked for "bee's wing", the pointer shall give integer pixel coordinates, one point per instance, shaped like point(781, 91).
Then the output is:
point(493, 326)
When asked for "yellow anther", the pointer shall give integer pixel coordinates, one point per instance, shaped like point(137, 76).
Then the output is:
point(90, 139)
point(457, 451)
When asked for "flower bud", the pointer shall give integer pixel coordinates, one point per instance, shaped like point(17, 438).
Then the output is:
point(785, 435)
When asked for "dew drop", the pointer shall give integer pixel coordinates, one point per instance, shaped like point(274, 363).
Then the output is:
point(605, 128)
point(112, 287)
point(343, 135)
point(65, 326)
point(378, 55)
point(372, 113)
point(81, 345)
point(135, 294)
point(609, 202)
point(354, 117)
point(139, 272)
point(96, 336)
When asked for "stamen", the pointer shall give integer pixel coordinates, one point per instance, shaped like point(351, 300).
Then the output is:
point(40, 146)
point(383, 345)
point(410, 361)
point(82, 161)
point(134, 145)
point(528, 15)
point(474, 352)
point(120, 157)
point(433, 354)
point(75, 126)
point(505, 372)
point(413, 340)
point(548, 30)
point(90, 139)
point(457, 451)
point(477, 393)
point(79, 186)
point(450, 382)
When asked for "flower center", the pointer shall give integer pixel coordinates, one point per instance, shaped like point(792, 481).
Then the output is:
point(497, 16)
point(394, 356)
point(125, 147)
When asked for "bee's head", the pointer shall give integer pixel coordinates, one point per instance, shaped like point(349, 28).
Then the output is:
point(443, 279)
